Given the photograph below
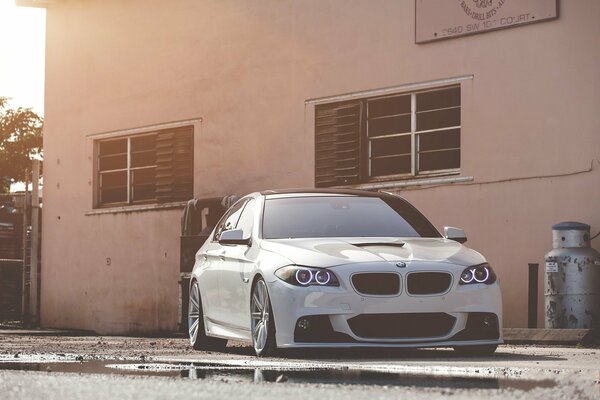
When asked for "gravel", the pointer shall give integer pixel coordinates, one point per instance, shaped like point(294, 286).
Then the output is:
point(575, 371)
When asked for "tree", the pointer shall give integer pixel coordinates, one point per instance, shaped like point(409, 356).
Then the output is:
point(20, 141)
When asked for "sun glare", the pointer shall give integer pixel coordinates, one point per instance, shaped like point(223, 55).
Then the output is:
point(22, 30)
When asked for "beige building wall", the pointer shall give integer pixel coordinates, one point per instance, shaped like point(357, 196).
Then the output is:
point(246, 69)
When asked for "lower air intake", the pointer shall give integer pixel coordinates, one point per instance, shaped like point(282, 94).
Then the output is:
point(401, 326)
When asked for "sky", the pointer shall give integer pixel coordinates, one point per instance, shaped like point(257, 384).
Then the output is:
point(22, 39)
point(22, 43)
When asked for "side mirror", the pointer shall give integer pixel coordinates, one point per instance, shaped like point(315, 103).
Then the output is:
point(233, 236)
point(455, 234)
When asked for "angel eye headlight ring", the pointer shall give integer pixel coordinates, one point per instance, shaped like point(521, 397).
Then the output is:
point(304, 276)
point(467, 276)
point(323, 277)
point(482, 273)
point(298, 275)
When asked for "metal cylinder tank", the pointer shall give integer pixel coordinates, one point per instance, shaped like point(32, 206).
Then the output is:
point(572, 279)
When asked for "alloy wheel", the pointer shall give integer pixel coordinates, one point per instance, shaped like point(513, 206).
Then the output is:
point(194, 313)
point(261, 314)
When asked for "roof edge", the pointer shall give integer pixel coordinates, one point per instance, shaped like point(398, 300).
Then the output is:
point(353, 192)
point(35, 3)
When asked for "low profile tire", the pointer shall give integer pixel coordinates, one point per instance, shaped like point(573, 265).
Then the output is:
point(484, 350)
point(196, 330)
point(263, 323)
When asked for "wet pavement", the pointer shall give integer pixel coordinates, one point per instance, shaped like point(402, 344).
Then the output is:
point(108, 367)
point(211, 370)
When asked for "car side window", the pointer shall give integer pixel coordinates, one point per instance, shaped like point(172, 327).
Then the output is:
point(246, 221)
point(230, 220)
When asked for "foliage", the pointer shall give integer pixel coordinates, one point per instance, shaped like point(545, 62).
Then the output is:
point(20, 141)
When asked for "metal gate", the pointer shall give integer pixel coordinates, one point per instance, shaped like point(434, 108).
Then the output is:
point(20, 242)
point(12, 238)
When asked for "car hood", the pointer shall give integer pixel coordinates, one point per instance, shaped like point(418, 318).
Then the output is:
point(329, 252)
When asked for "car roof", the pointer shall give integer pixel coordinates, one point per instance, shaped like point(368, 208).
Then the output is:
point(313, 191)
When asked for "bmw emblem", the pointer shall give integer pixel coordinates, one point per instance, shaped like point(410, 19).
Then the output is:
point(401, 264)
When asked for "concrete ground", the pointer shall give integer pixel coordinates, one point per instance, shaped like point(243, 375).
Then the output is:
point(75, 367)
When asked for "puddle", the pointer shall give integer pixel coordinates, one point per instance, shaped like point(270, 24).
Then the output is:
point(236, 373)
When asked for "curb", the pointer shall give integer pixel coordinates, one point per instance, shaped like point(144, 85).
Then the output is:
point(544, 336)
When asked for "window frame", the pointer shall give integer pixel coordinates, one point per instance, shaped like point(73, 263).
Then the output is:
point(128, 170)
point(143, 190)
point(365, 140)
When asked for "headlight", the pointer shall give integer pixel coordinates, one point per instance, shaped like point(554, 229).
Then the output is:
point(481, 273)
point(306, 276)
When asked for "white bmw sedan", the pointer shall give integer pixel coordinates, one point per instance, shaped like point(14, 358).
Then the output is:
point(340, 268)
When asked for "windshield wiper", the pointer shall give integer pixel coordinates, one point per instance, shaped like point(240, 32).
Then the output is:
point(393, 244)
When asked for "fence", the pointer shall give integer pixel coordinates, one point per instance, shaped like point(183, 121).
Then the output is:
point(11, 256)
point(19, 255)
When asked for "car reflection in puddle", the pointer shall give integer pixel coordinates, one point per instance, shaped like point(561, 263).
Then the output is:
point(229, 373)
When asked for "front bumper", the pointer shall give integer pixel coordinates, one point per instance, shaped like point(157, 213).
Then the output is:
point(342, 317)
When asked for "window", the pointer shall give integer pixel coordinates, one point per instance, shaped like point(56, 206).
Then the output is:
point(230, 219)
point(246, 221)
point(399, 135)
point(343, 216)
point(145, 168)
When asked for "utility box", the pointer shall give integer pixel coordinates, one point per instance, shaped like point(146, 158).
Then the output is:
point(572, 279)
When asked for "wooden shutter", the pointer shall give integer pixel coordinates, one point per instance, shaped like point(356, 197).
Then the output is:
point(337, 143)
point(175, 164)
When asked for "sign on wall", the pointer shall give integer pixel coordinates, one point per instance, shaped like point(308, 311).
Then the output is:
point(444, 19)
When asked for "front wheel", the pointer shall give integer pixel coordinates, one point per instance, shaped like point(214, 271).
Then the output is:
point(197, 333)
point(263, 323)
point(483, 350)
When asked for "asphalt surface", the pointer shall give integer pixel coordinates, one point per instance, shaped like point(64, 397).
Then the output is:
point(94, 367)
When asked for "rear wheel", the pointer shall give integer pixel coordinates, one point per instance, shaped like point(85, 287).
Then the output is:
point(263, 323)
point(484, 350)
point(196, 330)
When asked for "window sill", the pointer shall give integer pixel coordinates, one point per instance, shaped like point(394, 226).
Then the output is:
point(137, 208)
point(410, 182)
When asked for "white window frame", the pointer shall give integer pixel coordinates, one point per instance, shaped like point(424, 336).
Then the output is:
point(391, 181)
point(414, 137)
point(128, 169)
point(92, 140)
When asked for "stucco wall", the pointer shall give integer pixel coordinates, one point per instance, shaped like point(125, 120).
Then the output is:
point(246, 69)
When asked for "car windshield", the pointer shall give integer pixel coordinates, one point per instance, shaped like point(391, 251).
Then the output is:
point(343, 216)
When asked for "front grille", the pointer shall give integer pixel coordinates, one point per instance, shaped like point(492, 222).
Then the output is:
point(377, 284)
point(422, 283)
point(401, 326)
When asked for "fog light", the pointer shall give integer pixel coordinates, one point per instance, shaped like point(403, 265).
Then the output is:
point(488, 322)
point(303, 323)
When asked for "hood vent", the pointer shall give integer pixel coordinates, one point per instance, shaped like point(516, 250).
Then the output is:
point(392, 244)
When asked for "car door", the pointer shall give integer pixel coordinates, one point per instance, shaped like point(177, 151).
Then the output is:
point(235, 275)
point(212, 259)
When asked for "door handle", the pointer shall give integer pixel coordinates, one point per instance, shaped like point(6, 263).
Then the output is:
point(222, 258)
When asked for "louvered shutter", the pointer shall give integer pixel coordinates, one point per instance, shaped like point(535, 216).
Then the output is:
point(337, 144)
point(175, 164)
